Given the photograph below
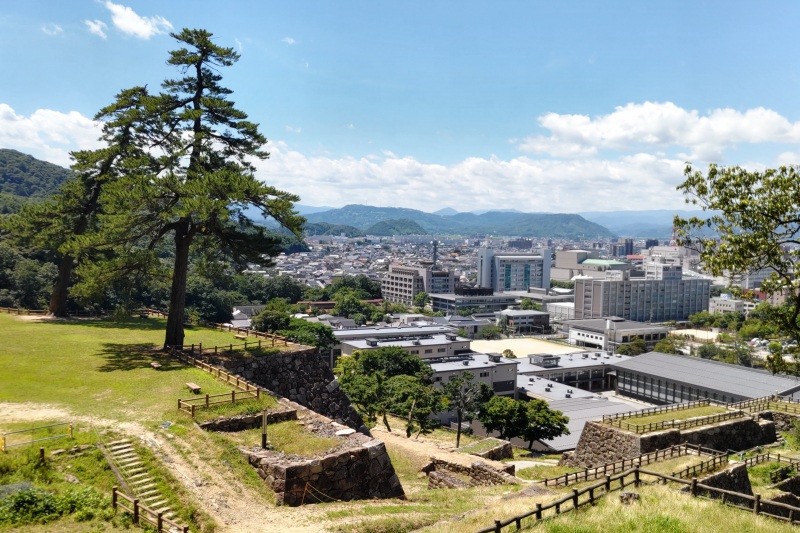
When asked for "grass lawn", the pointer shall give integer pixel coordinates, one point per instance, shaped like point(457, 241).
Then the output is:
point(680, 414)
point(481, 446)
point(227, 409)
point(98, 367)
point(444, 436)
point(289, 437)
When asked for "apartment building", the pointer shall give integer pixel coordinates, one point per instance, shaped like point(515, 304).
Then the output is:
point(402, 283)
point(504, 272)
point(654, 299)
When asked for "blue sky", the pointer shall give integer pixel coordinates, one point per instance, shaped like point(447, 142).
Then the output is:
point(537, 106)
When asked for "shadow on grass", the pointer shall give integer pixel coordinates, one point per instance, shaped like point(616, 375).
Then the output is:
point(135, 356)
point(142, 324)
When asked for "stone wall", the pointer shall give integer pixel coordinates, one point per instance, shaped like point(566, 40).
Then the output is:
point(788, 499)
point(480, 473)
point(303, 377)
point(444, 480)
point(243, 422)
point(362, 470)
point(791, 485)
point(600, 443)
point(734, 479)
point(783, 421)
point(503, 450)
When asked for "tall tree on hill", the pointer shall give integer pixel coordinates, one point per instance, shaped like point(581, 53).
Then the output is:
point(57, 224)
point(205, 179)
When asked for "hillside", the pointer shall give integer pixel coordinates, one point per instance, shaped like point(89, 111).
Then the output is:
point(402, 226)
point(324, 229)
point(494, 222)
point(25, 176)
point(655, 223)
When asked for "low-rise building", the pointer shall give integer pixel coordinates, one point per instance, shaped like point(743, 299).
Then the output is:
point(609, 333)
point(590, 371)
point(425, 346)
point(524, 321)
point(499, 373)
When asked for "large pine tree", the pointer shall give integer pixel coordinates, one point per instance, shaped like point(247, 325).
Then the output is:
point(203, 180)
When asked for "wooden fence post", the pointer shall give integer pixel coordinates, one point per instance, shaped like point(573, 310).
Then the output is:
point(233, 396)
point(207, 400)
point(693, 487)
point(757, 504)
point(608, 483)
point(160, 522)
point(636, 477)
point(114, 498)
point(497, 527)
point(136, 511)
point(538, 511)
point(575, 498)
point(192, 410)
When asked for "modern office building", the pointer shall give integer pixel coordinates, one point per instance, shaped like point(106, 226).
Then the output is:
point(609, 333)
point(513, 271)
point(425, 346)
point(401, 284)
point(571, 263)
point(664, 378)
point(522, 321)
point(656, 299)
point(499, 373)
point(590, 371)
point(454, 302)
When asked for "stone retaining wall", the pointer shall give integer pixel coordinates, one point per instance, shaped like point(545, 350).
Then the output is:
point(734, 479)
point(783, 421)
point(600, 443)
point(243, 422)
point(360, 471)
point(791, 485)
point(503, 450)
point(480, 473)
point(443, 480)
point(303, 377)
point(788, 499)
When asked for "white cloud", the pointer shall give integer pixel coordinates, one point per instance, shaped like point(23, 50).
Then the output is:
point(239, 45)
point(131, 23)
point(350, 126)
point(47, 134)
point(96, 27)
point(52, 29)
point(639, 181)
point(656, 125)
point(292, 129)
point(288, 40)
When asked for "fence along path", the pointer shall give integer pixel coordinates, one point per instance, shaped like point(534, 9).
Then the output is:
point(618, 466)
point(590, 495)
point(7, 441)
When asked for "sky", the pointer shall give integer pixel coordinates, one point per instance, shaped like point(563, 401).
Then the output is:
point(536, 106)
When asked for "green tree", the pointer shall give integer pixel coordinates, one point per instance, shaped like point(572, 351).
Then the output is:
point(637, 346)
point(274, 317)
point(465, 396)
point(754, 218)
point(670, 345)
point(509, 353)
point(421, 299)
point(489, 333)
point(367, 377)
point(528, 304)
point(204, 179)
point(309, 333)
point(543, 423)
point(505, 415)
point(775, 362)
point(416, 400)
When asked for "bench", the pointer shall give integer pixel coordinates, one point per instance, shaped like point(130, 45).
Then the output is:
point(155, 365)
point(194, 387)
point(240, 336)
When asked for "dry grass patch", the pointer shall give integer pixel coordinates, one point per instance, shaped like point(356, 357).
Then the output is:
point(680, 414)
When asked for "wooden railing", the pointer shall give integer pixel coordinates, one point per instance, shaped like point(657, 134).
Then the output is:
point(222, 375)
point(23, 311)
point(618, 466)
point(590, 495)
point(208, 400)
point(120, 500)
point(677, 424)
point(5, 444)
point(704, 466)
point(657, 410)
point(770, 458)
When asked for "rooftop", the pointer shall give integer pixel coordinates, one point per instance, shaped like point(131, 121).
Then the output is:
point(599, 324)
point(711, 375)
point(475, 361)
point(573, 360)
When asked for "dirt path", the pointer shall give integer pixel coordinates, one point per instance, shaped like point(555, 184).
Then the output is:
point(229, 502)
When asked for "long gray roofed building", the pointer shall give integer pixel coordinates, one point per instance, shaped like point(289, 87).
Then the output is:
point(665, 378)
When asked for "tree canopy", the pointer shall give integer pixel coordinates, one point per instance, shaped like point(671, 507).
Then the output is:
point(754, 218)
point(193, 178)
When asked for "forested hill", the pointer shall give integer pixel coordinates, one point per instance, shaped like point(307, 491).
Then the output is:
point(24, 175)
point(365, 217)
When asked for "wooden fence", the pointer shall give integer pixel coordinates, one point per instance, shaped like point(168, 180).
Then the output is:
point(590, 495)
point(208, 400)
point(222, 375)
point(657, 410)
point(618, 466)
point(23, 311)
point(120, 500)
point(770, 458)
point(5, 444)
point(704, 466)
point(677, 424)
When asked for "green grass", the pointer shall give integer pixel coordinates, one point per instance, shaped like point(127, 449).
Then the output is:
point(289, 437)
point(544, 471)
point(680, 414)
point(480, 446)
point(228, 409)
point(98, 367)
point(442, 435)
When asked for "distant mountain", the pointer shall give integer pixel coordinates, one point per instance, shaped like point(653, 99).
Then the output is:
point(493, 222)
point(323, 228)
point(309, 209)
point(402, 226)
point(656, 223)
point(25, 176)
point(446, 212)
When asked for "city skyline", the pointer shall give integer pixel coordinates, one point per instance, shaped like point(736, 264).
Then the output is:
point(519, 106)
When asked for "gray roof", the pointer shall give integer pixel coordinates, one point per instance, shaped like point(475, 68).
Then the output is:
point(710, 375)
point(573, 360)
point(475, 362)
point(599, 324)
point(580, 411)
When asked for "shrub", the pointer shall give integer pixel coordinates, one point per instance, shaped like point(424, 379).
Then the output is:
point(34, 505)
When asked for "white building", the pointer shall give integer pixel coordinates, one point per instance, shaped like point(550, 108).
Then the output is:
point(513, 272)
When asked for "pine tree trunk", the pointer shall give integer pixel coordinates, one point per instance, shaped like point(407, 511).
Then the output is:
point(458, 429)
point(58, 298)
point(177, 297)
